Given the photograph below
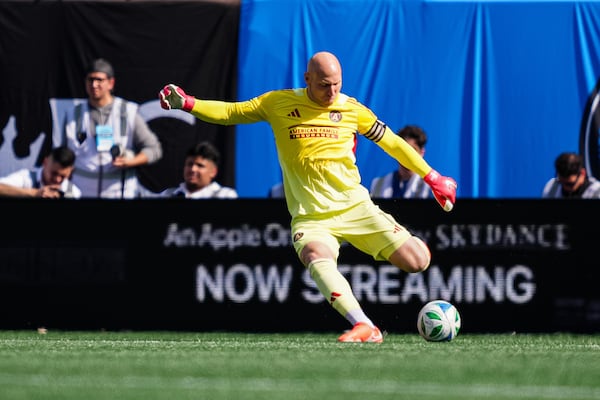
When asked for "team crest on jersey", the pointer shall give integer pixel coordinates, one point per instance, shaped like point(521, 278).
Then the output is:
point(335, 116)
point(298, 236)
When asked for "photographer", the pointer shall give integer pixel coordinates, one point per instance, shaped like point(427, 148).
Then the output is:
point(109, 138)
point(51, 180)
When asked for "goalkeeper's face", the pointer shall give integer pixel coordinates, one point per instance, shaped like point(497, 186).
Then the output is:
point(324, 92)
point(323, 79)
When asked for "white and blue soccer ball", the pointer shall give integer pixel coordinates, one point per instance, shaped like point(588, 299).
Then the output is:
point(438, 321)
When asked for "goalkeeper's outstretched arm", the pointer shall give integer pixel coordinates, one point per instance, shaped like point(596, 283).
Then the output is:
point(443, 187)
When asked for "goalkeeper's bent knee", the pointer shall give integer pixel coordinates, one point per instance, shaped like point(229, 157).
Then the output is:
point(424, 264)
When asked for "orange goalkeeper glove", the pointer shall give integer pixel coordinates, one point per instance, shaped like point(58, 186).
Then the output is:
point(173, 97)
point(443, 188)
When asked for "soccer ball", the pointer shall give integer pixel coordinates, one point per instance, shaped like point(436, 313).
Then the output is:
point(438, 321)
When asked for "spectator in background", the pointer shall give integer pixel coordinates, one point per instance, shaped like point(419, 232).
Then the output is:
point(402, 182)
point(572, 180)
point(200, 169)
point(276, 191)
point(109, 138)
point(51, 180)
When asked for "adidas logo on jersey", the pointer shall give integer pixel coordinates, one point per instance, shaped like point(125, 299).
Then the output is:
point(295, 113)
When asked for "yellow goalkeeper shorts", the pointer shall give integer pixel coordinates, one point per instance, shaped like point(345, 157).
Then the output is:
point(364, 226)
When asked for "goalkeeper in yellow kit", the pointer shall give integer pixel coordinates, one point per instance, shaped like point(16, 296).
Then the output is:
point(315, 133)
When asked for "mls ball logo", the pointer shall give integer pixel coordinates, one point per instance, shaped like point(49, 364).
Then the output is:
point(588, 135)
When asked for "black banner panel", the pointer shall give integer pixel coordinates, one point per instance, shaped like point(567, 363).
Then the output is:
point(210, 265)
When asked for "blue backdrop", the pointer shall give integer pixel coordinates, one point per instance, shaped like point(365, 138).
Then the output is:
point(500, 87)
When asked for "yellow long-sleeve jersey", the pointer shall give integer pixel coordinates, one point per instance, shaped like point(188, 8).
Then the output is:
point(315, 145)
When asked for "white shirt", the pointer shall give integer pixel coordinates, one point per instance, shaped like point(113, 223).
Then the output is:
point(29, 179)
point(383, 187)
point(276, 191)
point(553, 190)
point(212, 191)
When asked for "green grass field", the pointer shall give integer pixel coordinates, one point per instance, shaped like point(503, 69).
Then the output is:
point(177, 366)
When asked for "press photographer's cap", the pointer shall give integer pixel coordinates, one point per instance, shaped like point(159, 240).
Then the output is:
point(101, 65)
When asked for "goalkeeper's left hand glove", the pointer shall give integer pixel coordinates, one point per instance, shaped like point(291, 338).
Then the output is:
point(443, 188)
point(173, 97)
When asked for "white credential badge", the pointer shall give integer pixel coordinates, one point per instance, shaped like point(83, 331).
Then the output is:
point(104, 138)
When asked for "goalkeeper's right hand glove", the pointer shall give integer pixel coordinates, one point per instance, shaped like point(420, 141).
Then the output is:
point(173, 97)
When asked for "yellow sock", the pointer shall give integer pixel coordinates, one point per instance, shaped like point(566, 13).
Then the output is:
point(333, 286)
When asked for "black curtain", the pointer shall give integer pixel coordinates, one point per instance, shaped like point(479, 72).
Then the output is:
point(45, 47)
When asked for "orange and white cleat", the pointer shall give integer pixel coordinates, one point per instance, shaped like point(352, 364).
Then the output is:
point(362, 332)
